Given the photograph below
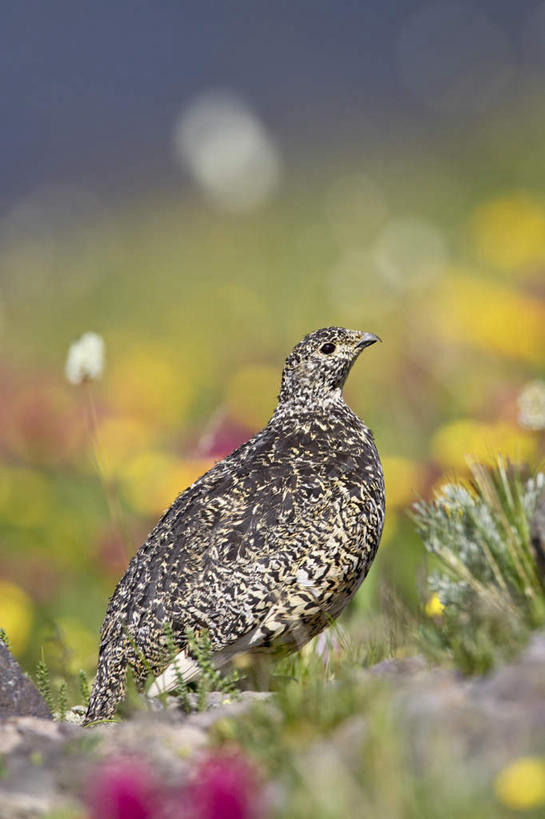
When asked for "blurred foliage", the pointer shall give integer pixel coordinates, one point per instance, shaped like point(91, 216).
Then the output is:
point(347, 750)
point(488, 589)
point(198, 309)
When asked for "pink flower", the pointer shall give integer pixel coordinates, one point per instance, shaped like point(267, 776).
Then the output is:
point(327, 645)
point(125, 789)
point(224, 786)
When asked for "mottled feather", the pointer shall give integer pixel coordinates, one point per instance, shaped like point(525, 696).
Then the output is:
point(265, 548)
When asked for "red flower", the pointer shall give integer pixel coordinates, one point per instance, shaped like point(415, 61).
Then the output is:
point(125, 789)
point(224, 786)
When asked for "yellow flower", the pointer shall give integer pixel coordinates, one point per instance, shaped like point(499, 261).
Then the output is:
point(521, 785)
point(468, 310)
point(15, 615)
point(453, 443)
point(510, 232)
point(434, 607)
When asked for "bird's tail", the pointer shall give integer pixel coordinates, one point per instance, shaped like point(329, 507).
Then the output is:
point(110, 683)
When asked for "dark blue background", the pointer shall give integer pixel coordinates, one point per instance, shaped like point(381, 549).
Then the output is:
point(90, 90)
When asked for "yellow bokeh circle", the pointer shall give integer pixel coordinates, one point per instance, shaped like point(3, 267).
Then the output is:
point(453, 443)
point(509, 232)
point(403, 479)
point(521, 785)
point(15, 615)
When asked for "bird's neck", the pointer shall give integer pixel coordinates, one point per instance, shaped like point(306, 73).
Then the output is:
point(303, 403)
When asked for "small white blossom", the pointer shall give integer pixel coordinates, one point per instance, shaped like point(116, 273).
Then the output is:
point(531, 406)
point(85, 360)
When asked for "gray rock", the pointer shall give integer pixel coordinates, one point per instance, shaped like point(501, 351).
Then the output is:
point(473, 725)
point(18, 694)
point(34, 753)
point(399, 668)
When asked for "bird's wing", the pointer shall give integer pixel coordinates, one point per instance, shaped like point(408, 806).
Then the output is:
point(231, 545)
point(175, 549)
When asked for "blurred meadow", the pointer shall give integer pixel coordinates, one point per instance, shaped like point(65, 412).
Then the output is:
point(260, 204)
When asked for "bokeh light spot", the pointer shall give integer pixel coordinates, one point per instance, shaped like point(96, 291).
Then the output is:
point(80, 643)
point(453, 443)
point(531, 406)
point(15, 615)
point(119, 437)
point(153, 479)
point(26, 497)
point(228, 151)
point(403, 479)
point(521, 784)
point(510, 232)
point(410, 252)
point(152, 383)
point(467, 310)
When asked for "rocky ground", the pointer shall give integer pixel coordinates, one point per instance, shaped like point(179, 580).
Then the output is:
point(484, 722)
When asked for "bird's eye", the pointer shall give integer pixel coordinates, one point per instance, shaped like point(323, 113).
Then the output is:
point(327, 348)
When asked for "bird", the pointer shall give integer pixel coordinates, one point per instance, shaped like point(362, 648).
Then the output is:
point(264, 550)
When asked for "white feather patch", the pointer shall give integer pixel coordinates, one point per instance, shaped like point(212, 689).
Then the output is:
point(181, 665)
point(189, 669)
point(303, 579)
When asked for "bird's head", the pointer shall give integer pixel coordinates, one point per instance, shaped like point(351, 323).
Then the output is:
point(318, 366)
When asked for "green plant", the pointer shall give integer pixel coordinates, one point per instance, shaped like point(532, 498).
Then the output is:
point(210, 679)
point(84, 687)
point(195, 695)
point(62, 701)
point(181, 691)
point(43, 683)
point(489, 590)
point(4, 638)
point(55, 699)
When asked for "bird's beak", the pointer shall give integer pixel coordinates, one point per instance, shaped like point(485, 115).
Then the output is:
point(366, 340)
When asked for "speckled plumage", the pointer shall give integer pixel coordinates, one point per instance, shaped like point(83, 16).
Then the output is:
point(270, 544)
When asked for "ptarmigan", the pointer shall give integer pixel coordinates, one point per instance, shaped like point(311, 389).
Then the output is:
point(267, 547)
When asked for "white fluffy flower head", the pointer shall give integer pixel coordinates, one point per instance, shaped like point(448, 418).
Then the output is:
point(531, 406)
point(85, 360)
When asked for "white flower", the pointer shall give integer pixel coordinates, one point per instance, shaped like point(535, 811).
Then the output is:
point(531, 405)
point(85, 360)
